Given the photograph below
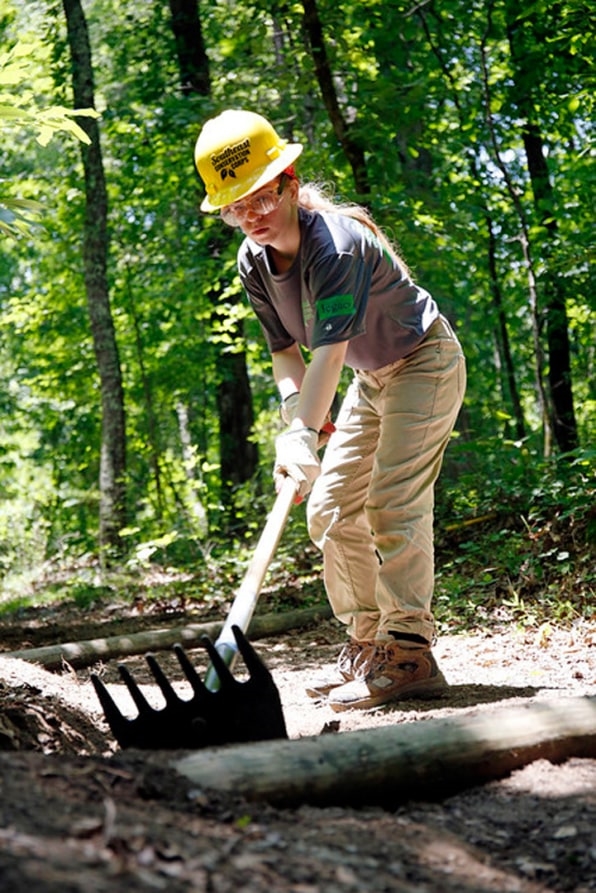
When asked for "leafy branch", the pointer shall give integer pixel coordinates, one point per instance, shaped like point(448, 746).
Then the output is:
point(18, 110)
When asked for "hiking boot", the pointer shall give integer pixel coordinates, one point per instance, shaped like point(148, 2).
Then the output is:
point(350, 664)
point(394, 670)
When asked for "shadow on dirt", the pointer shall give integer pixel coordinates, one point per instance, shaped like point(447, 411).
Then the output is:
point(464, 696)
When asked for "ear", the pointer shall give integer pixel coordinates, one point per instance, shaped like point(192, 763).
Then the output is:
point(293, 188)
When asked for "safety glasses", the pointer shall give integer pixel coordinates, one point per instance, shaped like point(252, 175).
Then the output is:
point(258, 205)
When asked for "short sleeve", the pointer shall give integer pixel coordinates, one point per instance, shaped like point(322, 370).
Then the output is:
point(340, 286)
point(276, 335)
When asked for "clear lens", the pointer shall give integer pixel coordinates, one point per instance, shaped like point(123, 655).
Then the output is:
point(265, 203)
point(261, 204)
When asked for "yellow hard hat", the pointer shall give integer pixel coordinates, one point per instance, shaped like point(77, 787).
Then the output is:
point(238, 152)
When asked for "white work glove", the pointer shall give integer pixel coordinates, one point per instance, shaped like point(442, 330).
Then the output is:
point(289, 407)
point(296, 457)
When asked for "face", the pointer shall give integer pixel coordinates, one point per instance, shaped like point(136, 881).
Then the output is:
point(264, 215)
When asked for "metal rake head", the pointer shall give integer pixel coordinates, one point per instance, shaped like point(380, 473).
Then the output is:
point(236, 712)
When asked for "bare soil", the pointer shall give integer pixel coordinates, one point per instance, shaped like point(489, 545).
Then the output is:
point(77, 814)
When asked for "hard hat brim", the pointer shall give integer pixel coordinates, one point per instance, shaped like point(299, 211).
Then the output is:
point(260, 178)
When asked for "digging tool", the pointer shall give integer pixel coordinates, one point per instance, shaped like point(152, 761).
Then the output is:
point(221, 710)
point(236, 712)
point(246, 597)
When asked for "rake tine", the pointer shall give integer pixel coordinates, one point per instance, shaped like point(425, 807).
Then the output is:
point(254, 664)
point(136, 694)
point(117, 722)
point(226, 678)
point(162, 680)
point(189, 671)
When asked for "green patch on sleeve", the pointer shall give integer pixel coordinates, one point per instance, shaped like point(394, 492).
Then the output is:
point(336, 305)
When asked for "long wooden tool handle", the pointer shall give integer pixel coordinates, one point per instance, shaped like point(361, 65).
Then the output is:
point(247, 595)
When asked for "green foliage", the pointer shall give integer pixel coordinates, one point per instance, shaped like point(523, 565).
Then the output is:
point(19, 82)
point(518, 545)
point(19, 72)
point(12, 219)
point(428, 90)
point(519, 552)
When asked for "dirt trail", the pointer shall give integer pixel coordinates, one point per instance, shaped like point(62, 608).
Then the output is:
point(77, 816)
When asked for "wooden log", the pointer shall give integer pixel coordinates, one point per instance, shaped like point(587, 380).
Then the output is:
point(386, 766)
point(84, 653)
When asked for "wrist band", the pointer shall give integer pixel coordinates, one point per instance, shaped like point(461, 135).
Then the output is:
point(302, 428)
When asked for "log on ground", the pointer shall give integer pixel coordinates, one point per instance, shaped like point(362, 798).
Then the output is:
point(90, 651)
point(386, 766)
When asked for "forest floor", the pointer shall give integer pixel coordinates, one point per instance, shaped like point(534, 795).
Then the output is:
point(78, 815)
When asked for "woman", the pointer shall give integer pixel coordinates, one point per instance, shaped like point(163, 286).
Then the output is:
point(323, 277)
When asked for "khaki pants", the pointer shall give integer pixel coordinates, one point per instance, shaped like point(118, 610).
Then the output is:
point(371, 510)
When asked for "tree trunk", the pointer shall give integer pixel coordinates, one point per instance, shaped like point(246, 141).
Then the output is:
point(343, 131)
point(526, 248)
point(387, 766)
point(503, 334)
point(112, 512)
point(238, 455)
point(526, 79)
point(193, 62)
point(555, 304)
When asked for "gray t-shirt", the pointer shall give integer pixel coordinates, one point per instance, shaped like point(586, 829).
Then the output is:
point(341, 286)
